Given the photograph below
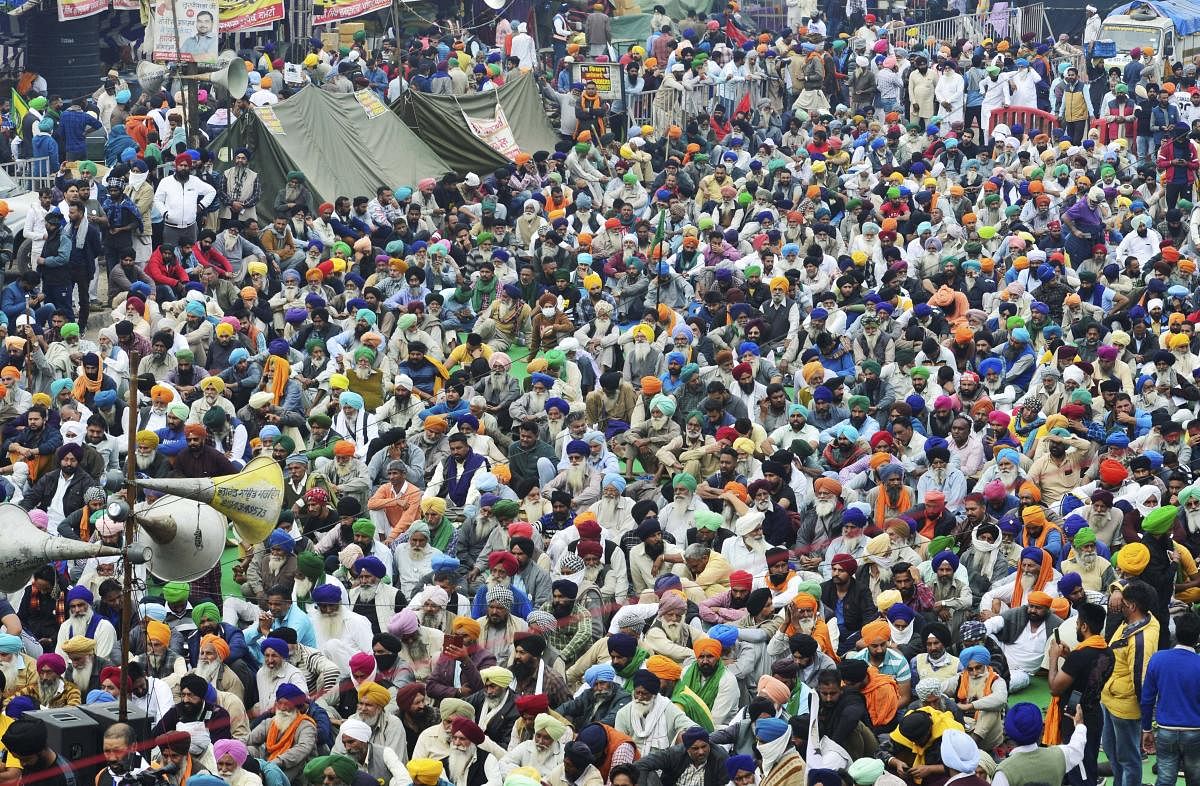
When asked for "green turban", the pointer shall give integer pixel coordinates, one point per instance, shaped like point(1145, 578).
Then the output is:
point(556, 358)
point(363, 527)
point(311, 566)
point(295, 174)
point(343, 766)
point(941, 543)
point(1084, 537)
point(341, 247)
point(582, 148)
point(872, 366)
point(1014, 322)
point(364, 352)
point(809, 588)
point(1158, 521)
point(1189, 492)
point(186, 355)
point(665, 405)
point(405, 321)
point(176, 591)
point(506, 509)
point(858, 401)
point(684, 479)
point(706, 519)
point(69, 330)
point(753, 270)
point(287, 443)
point(87, 167)
point(206, 611)
point(919, 371)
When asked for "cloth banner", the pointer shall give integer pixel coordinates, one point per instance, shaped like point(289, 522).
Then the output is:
point(239, 16)
point(338, 10)
point(127, 5)
point(495, 132)
point(196, 21)
point(78, 9)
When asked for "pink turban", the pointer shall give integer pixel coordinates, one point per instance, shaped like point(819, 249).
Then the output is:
point(362, 661)
point(234, 749)
point(403, 623)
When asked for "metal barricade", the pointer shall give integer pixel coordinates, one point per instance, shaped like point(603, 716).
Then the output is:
point(30, 174)
point(1010, 22)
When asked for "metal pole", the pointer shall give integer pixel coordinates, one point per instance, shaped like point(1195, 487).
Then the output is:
point(183, 85)
point(130, 530)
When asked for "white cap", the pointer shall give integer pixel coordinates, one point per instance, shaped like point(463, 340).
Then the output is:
point(471, 179)
point(569, 344)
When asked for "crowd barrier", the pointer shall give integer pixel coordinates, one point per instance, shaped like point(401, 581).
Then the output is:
point(670, 106)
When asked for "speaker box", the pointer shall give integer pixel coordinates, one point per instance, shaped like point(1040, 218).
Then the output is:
point(74, 735)
point(108, 713)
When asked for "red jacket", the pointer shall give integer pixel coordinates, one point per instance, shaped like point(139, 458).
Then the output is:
point(161, 273)
point(212, 258)
point(1166, 154)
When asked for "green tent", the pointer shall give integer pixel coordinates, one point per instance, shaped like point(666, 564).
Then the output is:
point(440, 121)
point(345, 144)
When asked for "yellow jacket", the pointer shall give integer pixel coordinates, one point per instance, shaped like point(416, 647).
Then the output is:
point(1132, 651)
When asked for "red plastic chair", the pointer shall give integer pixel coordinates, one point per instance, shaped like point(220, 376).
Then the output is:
point(1029, 117)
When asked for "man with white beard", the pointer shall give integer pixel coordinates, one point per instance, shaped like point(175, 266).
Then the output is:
point(382, 763)
point(340, 632)
point(372, 600)
point(580, 480)
point(642, 357)
point(748, 550)
point(83, 621)
point(1035, 572)
point(544, 752)
point(982, 694)
point(275, 672)
point(289, 722)
point(85, 667)
point(1105, 520)
point(1097, 574)
point(421, 645)
point(983, 560)
point(212, 390)
point(18, 669)
point(648, 436)
point(851, 541)
point(679, 515)
point(386, 729)
point(652, 720)
point(472, 758)
point(613, 508)
point(600, 336)
point(531, 407)
point(211, 667)
point(432, 604)
point(346, 473)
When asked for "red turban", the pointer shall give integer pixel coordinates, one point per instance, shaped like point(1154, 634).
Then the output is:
point(503, 559)
point(846, 562)
point(533, 704)
point(1112, 472)
point(195, 430)
point(740, 579)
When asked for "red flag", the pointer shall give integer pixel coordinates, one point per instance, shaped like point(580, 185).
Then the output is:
point(736, 37)
point(744, 105)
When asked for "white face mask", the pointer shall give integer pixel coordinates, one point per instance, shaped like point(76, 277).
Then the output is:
point(548, 311)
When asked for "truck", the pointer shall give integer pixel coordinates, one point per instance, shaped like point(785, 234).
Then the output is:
point(1170, 29)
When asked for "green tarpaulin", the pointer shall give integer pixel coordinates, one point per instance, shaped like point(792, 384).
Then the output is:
point(439, 121)
point(677, 9)
point(631, 27)
point(334, 141)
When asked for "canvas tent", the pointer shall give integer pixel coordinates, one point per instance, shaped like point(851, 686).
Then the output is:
point(441, 121)
point(345, 144)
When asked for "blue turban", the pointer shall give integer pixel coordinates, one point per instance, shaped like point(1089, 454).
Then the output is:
point(10, 644)
point(945, 556)
point(279, 645)
point(677, 358)
point(739, 763)
point(748, 346)
point(98, 696)
point(327, 594)
point(693, 735)
point(615, 480)
point(853, 517)
point(770, 729)
point(1008, 524)
point(444, 564)
point(978, 653)
point(282, 540)
point(685, 332)
point(538, 377)
point(822, 393)
point(18, 706)
point(889, 471)
point(1020, 335)
point(1010, 455)
point(80, 592)
point(990, 365)
point(1072, 524)
point(578, 447)
point(350, 399)
point(288, 691)
point(899, 611)
point(1069, 583)
point(558, 403)
point(372, 565)
point(726, 634)
point(1023, 724)
point(1117, 439)
point(238, 355)
point(270, 431)
point(1032, 553)
point(105, 398)
point(622, 644)
point(601, 672)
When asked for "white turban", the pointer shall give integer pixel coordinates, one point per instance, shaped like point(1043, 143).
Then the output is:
point(356, 730)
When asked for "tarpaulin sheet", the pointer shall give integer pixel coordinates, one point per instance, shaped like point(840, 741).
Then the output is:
point(439, 121)
point(345, 144)
point(1185, 14)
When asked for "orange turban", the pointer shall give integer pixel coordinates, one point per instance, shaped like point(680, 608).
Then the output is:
point(879, 459)
point(666, 669)
point(503, 473)
point(1034, 514)
point(343, 447)
point(651, 385)
point(468, 626)
point(708, 647)
point(1036, 598)
point(1031, 490)
point(827, 485)
point(738, 489)
point(876, 632)
point(804, 601)
point(774, 689)
point(436, 423)
point(157, 631)
point(217, 643)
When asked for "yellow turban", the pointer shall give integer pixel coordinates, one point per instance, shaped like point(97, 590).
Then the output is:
point(157, 631)
point(147, 438)
point(1177, 341)
point(551, 725)
point(435, 504)
point(425, 772)
point(664, 668)
point(41, 399)
point(466, 625)
point(257, 267)
point(876, 632)
point(743, 445)
point(339, 382)
point(224, 329)
point(888, 598)
point(536, 365)
point(437, 424)
point(879, 546)
point(79, 645)
point(591, 280)
point(496, 675)
point(813, 372)
point(215, 383)
point(779, 282)
point(642, 329)
point(1133, 558)
point(374, 693)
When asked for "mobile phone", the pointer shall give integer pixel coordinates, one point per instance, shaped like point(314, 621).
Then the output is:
point(1072, 702)
point(452, 640)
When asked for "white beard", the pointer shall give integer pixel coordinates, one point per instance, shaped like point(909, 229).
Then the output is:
point(1027, 583)
point(459, 762)
point(1007, 477)
point(602, 325)
point(824, 507)
point(807, 625)
point(673, 630)
point(641, 709)
point(144, 462)
point(81, 677)
point(362, 373)
point(79, 625)
point(641, 351)
point(275, 564)
point(658, 423)
point(208, 671)
point(11, 670)
point(1087, 560)
point(283, 719)
point(367, 594)
point(328, 628)
point(537, 401)
point(1193, 520)
point(303, 586)
point(606, 509)
point(850, 544)
point(576, 478)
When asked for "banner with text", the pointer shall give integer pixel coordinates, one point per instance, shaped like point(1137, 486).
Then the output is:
point(495, 132)
point(337, 10)
point(242, 15)
point(78, 9)
point(195, 22)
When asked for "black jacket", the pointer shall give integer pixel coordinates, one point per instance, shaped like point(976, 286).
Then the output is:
point(857, 609)
point(584, 709)
point(499, 727)
point(46, 486)
point(673, 761)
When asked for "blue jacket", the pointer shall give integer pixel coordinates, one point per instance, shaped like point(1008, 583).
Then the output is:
point(75, 127)
point(1172, 683)
point(46, 146)
point(12, 302)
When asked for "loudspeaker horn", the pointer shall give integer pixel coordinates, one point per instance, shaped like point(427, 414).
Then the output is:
point(252, 499)
point(26, 548)
point(232, 77)
point(186, 537)
point(150, 76)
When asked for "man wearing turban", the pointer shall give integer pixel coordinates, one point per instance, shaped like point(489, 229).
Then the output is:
point(708, 679)
point(651, 719)
point(371, 598)
point(495, 705)
point(820, 521)
point(601, 698)
point(83, 622)
point(340, 769)
point(19, 669)
point(544, 751)
point(59, 491)
point(652, 426)
point(981, 693)
point(579, 478)
point(289, 737)
point(383, 728)
point(1023, 629)
point(952, 598)
point(51, 690)
point(1095, 572)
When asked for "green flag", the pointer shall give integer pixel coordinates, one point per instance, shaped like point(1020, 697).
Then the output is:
point(19, 110)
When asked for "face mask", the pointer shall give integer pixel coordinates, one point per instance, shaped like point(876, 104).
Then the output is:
point(548, 312)
point(385, 662)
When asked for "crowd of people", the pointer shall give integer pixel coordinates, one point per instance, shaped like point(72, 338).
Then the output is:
point(785, 443)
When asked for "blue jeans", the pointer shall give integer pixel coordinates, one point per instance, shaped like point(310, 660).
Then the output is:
point(1144, 145)
point(1174, 746)
point(1122, 744)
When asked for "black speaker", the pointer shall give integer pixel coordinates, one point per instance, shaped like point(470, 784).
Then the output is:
point(74, 735)
point(108, 713)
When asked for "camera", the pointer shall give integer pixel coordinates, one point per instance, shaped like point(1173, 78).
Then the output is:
point(150, 776)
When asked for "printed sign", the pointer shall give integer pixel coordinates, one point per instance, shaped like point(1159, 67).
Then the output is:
point(369, 100)
point(607, 77)
point(195, 21)
point(495, 132)
point(337, 10)
point(269, 119)
point(78, 9)
point(241, 15)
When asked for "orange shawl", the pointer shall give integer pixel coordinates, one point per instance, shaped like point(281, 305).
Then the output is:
point(964, 679)
point(279, 743)
point(282, 370)
point(83, 385)
point(881, 504)
point(882, 697)
point(1052, 735)
point(1045, 573)
point(820, 631)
